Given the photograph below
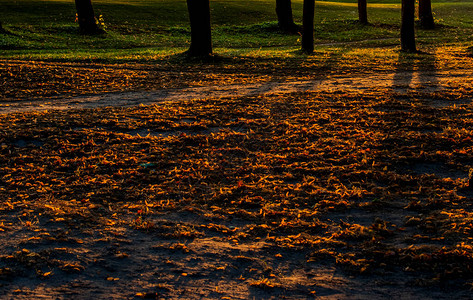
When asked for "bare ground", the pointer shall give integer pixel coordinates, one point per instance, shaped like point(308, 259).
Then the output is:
point(116, 262)
point(403, 81)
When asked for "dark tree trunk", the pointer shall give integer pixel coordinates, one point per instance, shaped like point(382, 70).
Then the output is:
point(201, 34)
point(362, 12)
point(408, 40)
point(308, 26)
point(285, 19)
point(425, 14)
point(86, 17)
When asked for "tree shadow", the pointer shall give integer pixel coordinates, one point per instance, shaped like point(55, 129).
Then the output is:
point(264, 28)
point(404, 73)
point(416, 72)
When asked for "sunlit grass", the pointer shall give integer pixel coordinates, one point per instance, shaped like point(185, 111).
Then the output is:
point(155, 29)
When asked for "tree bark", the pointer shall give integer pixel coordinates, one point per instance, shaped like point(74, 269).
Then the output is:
point(408, 40)
point(86, 17)
point(425, 14)
point(308, 26)
point(201, 34)
point(362, 12)
point(285, 19)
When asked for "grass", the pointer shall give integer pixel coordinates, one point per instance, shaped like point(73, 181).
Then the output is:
point(150, 29)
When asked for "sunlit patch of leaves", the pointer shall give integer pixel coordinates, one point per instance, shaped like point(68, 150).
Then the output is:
point(24, 80)
point(264, 283)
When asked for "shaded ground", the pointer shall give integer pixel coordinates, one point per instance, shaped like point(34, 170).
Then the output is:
point(353, 190)
point(35, 80)
point(403, 81)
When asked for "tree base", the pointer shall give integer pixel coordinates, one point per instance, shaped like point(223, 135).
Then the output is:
point(303, 51)
point(95, 31)
point(208, 58)
point(290, 28)
point(197, 54)
point(411, 51)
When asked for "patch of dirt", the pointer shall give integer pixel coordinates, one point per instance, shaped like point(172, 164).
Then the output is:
point(343, 188)
point(403, 82)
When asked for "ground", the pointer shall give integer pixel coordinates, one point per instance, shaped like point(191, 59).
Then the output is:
point(233, 181)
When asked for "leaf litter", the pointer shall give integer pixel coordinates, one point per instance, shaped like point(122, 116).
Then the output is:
point(341, 194)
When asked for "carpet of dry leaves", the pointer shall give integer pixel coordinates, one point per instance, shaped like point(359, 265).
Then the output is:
point(328, 194)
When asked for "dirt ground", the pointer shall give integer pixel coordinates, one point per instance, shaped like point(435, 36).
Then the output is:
point(404, 81)
point(175, 247)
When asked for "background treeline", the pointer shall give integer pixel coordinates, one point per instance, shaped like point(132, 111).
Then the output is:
point(201, 37)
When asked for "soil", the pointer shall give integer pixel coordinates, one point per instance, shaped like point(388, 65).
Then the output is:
point(45, 257)
point(401, 82)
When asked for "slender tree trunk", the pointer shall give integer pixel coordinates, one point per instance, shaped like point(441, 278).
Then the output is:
point(285, 19)
point(425, 14)
point(201, 34)
point(408, 40)
point(86, 17)
point(362, 12)
point(308, 26)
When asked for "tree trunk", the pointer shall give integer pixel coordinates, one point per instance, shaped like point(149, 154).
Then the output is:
point(86, 17)
point(425, 14)
point(285, 19)
point(408, 40)
point(362, 12)
point(308, 26)
point(201, 34)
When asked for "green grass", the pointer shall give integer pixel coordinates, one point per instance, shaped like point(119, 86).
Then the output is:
point(141, 29)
